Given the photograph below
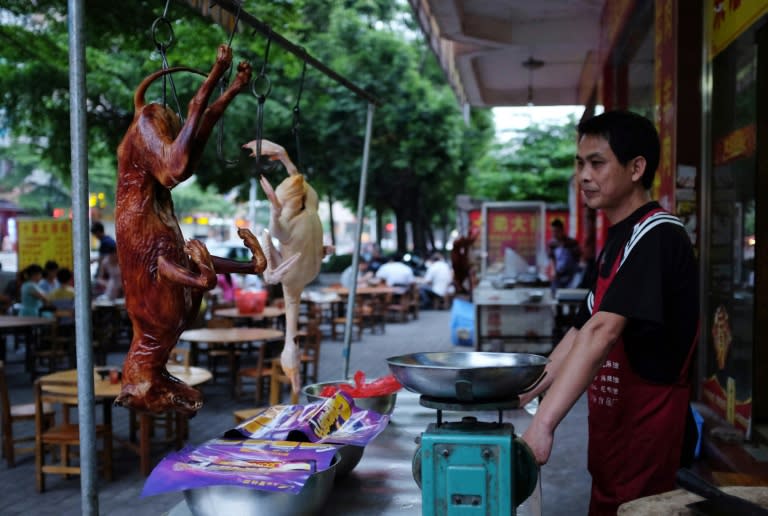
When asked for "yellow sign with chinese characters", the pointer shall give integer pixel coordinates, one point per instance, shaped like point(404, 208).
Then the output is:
point(41, 240)
point(728, 19)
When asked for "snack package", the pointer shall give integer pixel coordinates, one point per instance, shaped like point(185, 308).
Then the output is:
point(261, 464)
point(276, 450)
point(335, 420)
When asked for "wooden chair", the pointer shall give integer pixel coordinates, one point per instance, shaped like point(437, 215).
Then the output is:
point(64, 434)
point(215, 353)
point(377, 320)
point(362, 310)
point(261, 372)
point(400, 308)
point(309, 342)
point(175, 427)
point(57, 347)
point(179, 356)
point(10, 414)
point(277, 381)
point(414, 300)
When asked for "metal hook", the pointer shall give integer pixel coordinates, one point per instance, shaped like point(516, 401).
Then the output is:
point(234, 27)
point(228, 163)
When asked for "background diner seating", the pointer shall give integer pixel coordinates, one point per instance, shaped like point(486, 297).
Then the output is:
point(10, 414)
point(64, 434)
point(261, 372)
point(56, 349)
point(362, 310)
point(401, 306)
point(215, 353)
point(414, 299)
point(309, 340)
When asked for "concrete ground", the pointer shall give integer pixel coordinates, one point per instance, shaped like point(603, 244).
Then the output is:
point(381, 484)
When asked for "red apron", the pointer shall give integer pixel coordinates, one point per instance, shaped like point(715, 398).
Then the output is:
point(635, 427)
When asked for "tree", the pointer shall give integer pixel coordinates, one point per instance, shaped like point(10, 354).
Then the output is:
point(421, 152)
point(536, 165)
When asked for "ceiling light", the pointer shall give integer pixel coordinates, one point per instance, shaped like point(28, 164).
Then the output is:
point(531, 64)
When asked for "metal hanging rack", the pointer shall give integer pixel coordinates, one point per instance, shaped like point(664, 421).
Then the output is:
point(234, 6)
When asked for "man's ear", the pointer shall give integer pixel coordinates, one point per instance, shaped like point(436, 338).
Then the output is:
point(637, 168)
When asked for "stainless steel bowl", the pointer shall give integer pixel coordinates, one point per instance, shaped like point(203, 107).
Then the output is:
point(468, 376)
point(381, 404)
point(244, 501)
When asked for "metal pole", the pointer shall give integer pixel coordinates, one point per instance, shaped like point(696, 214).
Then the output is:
point(358, 234)
point(80, 235)
point(252, 204)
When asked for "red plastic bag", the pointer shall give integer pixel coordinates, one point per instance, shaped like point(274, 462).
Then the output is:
point(379, 387)
point(250, 301)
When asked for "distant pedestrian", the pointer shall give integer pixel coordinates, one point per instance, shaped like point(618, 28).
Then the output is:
point(564, 253)
point(107, 245)
point(437, 280)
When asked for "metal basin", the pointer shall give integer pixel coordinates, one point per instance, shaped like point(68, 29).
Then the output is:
point(381, 404)
point(244, 501)
point(468, 376)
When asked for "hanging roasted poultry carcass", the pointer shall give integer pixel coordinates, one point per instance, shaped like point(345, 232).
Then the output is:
point(296, 225)
point(165, 277)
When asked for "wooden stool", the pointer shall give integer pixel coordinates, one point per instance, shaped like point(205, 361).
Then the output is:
point(245, 414)
point(276, 382)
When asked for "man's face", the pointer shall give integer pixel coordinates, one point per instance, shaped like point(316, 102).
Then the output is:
point(605, 183)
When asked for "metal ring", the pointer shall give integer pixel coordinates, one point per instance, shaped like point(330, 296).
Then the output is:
point(156, 28)
point(261, 86)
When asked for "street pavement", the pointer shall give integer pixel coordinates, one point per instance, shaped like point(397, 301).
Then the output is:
point(565, 482)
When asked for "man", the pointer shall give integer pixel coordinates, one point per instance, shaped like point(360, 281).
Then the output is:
point(437, 279)
point(632, 342)
point(107, 246)
point(395, 272)
point(347, 278)
point(564, 252)
point(106, 243)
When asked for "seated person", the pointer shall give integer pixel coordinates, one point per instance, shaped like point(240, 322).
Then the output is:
point(395, 272)
point(363, 274)
point(437, 280)
point(31, 298)
point(63, 297)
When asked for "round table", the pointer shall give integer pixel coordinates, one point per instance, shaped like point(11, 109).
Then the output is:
point(230, 337)
point(269, 312)
point(13, 324)
point(105, 389)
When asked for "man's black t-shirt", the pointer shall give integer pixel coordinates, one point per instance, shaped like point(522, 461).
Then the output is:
point(656, 289)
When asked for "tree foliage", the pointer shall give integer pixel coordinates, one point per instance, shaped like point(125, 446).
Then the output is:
point(421, 151)
point(535, 165)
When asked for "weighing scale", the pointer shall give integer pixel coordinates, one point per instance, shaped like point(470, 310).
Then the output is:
point(471, 467)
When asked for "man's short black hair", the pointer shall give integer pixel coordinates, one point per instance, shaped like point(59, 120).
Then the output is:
point(630, 135)
point(97, 227)
point(557, 223)
point(63, 275)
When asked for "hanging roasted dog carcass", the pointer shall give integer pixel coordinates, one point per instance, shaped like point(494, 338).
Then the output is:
point(165, 277)
point(296, 225)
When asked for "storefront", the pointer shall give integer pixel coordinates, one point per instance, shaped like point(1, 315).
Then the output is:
point(737, 49)
point(708, 65)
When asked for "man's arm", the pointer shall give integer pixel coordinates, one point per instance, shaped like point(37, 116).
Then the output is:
point(556, 360)
point(590, 346)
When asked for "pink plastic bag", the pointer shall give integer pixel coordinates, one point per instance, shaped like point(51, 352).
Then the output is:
point(250, 301)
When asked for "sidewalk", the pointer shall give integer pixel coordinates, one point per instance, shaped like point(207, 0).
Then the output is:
point(565, 482)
